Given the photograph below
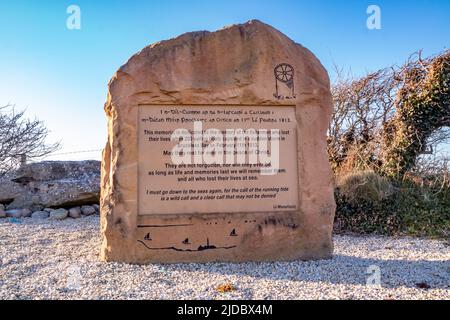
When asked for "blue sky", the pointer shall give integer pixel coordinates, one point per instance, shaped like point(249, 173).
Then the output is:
point(61, 75)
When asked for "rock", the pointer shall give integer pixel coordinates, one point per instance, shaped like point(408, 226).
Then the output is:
point(9, 190)
point(96, 207)
point(59, 214)
point(2, 207)
point(75, 212)
point(2, 213)
point(245, 66)
point(87, 210)
point(15, 220)
point(48, 209)
point(52, 184)
point(15, 213)
point(36, 207)
point(26, 213)
point(40, 215)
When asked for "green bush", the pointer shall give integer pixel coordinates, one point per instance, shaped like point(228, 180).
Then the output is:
point(367, 203)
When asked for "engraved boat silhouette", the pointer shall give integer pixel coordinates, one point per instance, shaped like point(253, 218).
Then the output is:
point(207, 247)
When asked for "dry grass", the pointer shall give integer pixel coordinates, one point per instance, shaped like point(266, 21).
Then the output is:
point(365, 185)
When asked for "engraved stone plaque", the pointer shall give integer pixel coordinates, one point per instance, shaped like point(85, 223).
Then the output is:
point(241, 148)
point(217, 151)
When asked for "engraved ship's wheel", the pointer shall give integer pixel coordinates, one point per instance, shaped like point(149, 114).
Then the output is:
point(284, 72)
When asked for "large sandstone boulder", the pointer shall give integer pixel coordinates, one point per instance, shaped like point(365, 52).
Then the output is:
point(51, 184)
point(234, 66)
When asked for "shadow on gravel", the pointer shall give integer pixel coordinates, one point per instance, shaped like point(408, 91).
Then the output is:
point(339, 270)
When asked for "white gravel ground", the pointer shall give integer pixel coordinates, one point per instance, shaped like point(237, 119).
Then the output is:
point(41, 259)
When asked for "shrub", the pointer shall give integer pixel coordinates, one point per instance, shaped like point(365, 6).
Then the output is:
point(386, 119)
point(368, 203)
point(364, 185)
point(21, 139)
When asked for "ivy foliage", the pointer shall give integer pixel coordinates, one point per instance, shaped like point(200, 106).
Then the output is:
point(423, 106)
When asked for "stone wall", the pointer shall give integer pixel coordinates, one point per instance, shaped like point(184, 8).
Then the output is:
point(45, 186)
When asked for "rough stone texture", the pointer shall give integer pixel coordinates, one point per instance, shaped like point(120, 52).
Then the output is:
point(87, 210)
point(233, 66)
point(2, 213)
point(26, 213)
point(40, 215)
point(52, 184)
point(15, 213)
point(75, 212)
point(9, 190)
point(59, 214)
